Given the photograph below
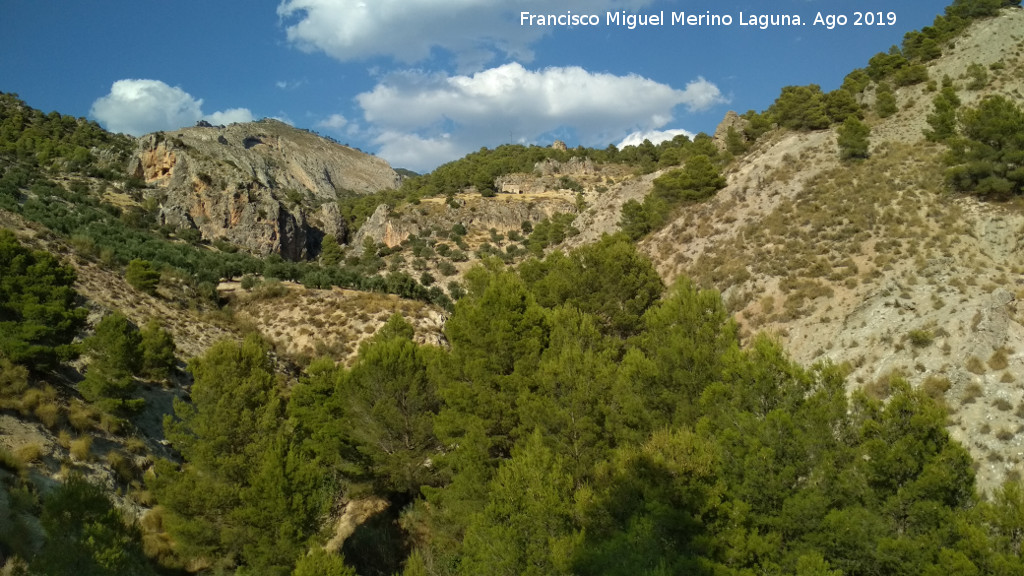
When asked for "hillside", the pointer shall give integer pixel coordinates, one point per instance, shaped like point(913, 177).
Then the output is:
point(848, 263)
point(248, 349)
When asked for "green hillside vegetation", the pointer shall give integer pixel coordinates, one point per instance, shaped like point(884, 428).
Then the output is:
point(479, 170)
point(580, 417)
point(130, 237)
point(84, 533)
point(986, 156)
point(983, 167)
point(579, 424)
point(39, 315)
point(808, 108)
point(699, 178)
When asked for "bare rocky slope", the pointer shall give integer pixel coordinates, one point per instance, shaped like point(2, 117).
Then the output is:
point(264, 186)
point(876, 264)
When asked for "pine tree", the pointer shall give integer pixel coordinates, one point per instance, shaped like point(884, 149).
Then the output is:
point(943, 118)
point(114, 360)
point(853, 139)
point(157, 349)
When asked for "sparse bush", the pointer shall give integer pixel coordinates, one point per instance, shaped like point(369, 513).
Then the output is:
point(880, 388)
point(446, 268)
point(122, 466)
point(269, 289)
point(34, 398)
point(13, 383)
point(29, 453)
point(972, 392)
point(49, 414)
point(10, 462)
point(921, 338)
point(141, 275)
point(974, 365)
point(998, 360)
point(81, 449)
point(82, 417)
point(978, 77)
point(936, 386)
point(135, 445)
point(455, 290)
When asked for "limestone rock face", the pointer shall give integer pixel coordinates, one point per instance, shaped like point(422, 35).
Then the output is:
point(504, 213)
point(383, 229)
point(731, 120)
point(264, 186)
point(574, 166)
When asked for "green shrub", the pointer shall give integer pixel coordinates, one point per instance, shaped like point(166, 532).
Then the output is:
point(943, 119)
point(978, 77)
point(141, 275)
point(885, 101)
point(986, 159)
point(156, 346)
point(853, 139)
point(921, 338)
point(446, 268)
point(38, 314)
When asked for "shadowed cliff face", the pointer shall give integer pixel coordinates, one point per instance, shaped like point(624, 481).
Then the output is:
point(264, 186)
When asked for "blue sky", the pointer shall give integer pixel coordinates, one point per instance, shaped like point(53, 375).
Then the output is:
point(421, 82)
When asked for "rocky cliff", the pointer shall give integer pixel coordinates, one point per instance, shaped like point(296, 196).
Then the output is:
point(264, 186)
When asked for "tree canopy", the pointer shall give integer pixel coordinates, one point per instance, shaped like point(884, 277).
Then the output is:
point(39, 315)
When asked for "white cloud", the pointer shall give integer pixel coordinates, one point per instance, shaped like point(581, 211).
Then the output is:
point(141, 106)
point(701, 95)
point(655, 136)
point(417, 153)
point(290, 85)
point(333, 122)
point(474, 30)
point(231, 116)
point(480, 109)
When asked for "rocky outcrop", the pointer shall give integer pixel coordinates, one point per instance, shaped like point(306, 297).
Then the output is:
point(356, 513)
point(731, 120)
point(503, 213)
point(383, 229)
point(264, 186)
point(575, 166)
point(519, 183)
